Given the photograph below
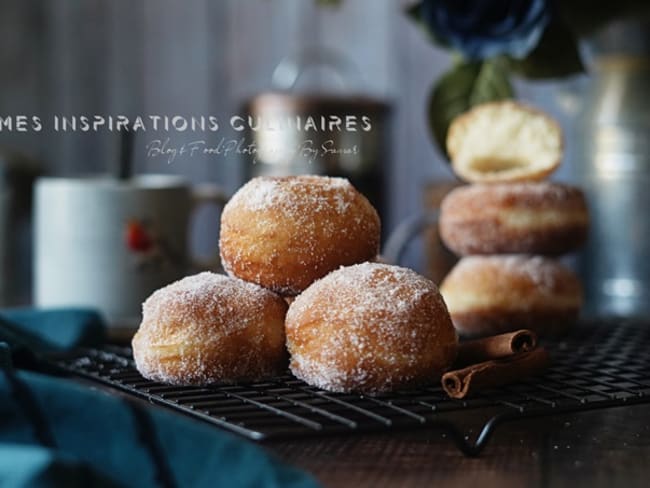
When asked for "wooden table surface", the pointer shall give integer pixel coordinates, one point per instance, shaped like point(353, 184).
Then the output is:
point(608, 447)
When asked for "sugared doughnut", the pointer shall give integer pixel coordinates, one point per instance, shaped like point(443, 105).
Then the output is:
point(528, 218)
point(210, 328)
point(286, 232)
point(370, 328)
point(504, 141)
point(489, 295)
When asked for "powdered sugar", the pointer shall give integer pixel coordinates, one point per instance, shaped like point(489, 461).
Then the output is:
point(289, 193)
point(205, 293)
point(546, 190)
point(209, 327)
point(378, 288)
point(543, 273)
point(283, 233)
point(540, 271)
point(369, 327)
point(529, 218)
point(496, 294)
point(264, 194)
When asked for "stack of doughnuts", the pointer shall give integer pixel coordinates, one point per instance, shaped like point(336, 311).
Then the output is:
point(352, 325)
point(509, 224)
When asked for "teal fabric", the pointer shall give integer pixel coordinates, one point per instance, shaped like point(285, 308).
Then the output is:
point(33, 466)
point(58, 328)
point(58, 432)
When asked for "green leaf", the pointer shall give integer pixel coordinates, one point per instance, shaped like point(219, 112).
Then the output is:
point(464, 86)
point(556, 55)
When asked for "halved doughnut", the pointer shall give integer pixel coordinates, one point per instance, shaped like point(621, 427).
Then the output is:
point(504, 141)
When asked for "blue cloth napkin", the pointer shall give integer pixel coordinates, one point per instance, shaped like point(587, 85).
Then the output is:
point(48, 329)
point(59, 432)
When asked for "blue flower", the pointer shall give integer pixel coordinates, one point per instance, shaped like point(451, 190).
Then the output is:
point(482, 29)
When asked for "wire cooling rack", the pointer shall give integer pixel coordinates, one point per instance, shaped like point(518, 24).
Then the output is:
point(599, 365)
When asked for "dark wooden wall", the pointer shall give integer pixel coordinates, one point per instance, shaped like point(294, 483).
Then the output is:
point(205, 57)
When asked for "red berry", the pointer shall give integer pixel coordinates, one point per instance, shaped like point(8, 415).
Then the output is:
point(137, 238)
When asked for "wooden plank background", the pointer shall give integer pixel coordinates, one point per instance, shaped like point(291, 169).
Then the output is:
point(207, 57)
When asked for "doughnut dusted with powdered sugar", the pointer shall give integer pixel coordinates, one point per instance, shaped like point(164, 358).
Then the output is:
point(512, 218)
point(284, 233)
point(489, 295)
point(370, 328)
point(211, 328)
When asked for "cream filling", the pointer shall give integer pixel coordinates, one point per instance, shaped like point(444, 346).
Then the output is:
point(504, 142)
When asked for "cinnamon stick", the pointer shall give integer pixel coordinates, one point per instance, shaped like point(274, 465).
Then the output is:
point(495, 347)
point(496, 372)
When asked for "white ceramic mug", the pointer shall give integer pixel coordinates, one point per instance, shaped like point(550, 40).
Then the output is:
point(108, 244)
